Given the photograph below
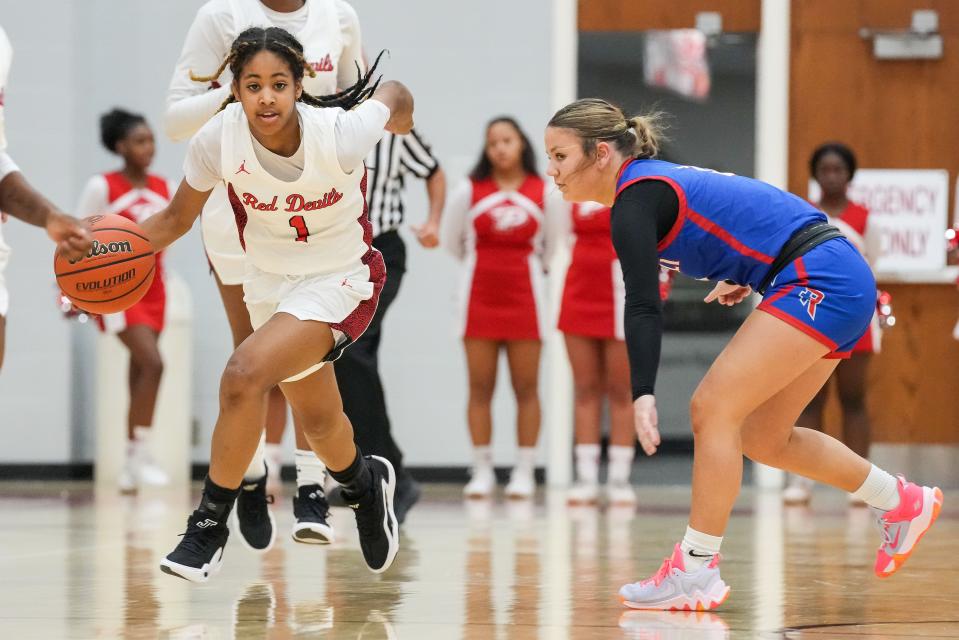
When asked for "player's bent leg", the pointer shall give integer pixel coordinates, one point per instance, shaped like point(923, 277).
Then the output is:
point(280, 349)
point(728, 394)
point(369, 483)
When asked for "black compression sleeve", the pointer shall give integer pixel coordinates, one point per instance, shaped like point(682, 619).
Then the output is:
point(643, 214)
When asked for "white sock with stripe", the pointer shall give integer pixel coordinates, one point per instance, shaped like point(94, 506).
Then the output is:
point(698, 548)
point(309, 468)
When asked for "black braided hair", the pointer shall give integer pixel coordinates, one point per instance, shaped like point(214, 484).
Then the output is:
point(115, 125)
point(282, 43)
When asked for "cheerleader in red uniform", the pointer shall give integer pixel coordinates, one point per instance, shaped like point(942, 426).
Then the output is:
point(833, 165)
point(134, 193)
point(591, 319)
point(495, 223)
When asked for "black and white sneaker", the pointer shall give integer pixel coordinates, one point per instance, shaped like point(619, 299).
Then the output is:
point(252, 516)
point(375, 519)
point(312, 513)
point(200, 553)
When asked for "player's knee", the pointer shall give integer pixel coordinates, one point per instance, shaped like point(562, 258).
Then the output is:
point(151, 365)
point(318, 425)
point(619, 392)
point(586, 391)
point(242, 380)
point(705, 410)
point(481, 390)
point(525, 390)
point(699, 406)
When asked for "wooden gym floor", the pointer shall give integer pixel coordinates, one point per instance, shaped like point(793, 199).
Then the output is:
point(80, 563)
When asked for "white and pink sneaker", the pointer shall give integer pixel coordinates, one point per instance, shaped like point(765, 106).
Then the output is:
point(672, 588)
point(905, 525)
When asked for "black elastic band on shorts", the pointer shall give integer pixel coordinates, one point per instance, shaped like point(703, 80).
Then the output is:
point(798, 245)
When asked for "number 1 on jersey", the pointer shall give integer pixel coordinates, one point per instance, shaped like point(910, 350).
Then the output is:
point(302, 233)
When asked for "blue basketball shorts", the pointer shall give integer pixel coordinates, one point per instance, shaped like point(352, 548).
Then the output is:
point(829, 294)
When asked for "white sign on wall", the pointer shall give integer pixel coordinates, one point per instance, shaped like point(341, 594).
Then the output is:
point(908, 215)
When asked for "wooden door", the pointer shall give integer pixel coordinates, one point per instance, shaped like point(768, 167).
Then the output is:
point(895, 115)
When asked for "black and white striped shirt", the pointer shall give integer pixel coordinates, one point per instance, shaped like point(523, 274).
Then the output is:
point(387, 165)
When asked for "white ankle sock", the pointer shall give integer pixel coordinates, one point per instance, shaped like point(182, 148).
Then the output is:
point(587, 463)
point(257, 466)
point(698, 548)
point(309, 468)
point(138, 449)
point(879, 490)
point(620, 464)
point(526, 459)
point(273, 454)
point(482, 458)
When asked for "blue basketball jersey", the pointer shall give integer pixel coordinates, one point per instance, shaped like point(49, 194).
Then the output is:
point(729, 227)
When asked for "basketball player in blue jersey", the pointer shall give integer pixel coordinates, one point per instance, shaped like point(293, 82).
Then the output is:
point(818, 298)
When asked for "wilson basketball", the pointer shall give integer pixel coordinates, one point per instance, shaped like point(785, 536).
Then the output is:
point(115, 273)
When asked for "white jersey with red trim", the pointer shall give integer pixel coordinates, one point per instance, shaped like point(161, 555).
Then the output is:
point(330, 35)
point(313, 225)
point(320, 36)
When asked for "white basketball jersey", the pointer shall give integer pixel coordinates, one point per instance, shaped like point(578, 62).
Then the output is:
point(320, 36)
point(314, 225)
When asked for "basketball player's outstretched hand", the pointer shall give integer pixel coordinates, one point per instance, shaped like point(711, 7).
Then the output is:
point(72, 238)
point(428, 234)
point(399, 101)
point(728, 294)
point(647, 423)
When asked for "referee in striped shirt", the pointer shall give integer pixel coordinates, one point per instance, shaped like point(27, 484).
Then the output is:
point(357, 371)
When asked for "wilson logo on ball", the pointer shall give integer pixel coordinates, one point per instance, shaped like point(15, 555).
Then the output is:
point(98, 249)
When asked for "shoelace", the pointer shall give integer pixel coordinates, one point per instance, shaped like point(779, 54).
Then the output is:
point(368, 519)
point(662, 574)
point(318, 505)
point(196, 540)
point(253, 508)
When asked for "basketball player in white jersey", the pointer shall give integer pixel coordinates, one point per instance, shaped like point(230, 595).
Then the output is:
point(330, 33)
point(295, 179)
point(20, 200)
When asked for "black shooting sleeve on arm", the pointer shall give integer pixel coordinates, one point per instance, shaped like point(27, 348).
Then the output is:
point(642, 214)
